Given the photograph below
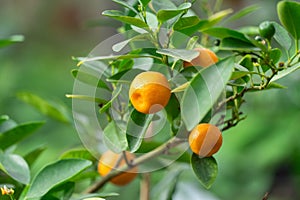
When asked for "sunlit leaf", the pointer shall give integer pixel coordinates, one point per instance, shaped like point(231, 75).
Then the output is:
point(11, 40)
point(55, 174)
point(15, 166)
point(204, 90)
point(183, 54)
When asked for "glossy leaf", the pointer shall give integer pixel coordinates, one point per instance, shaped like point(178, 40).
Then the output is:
point(114, 137)
point(285, 72)
point(126, 5)
point(136, 129)
point(163, 5)
point(237, 45)
point(164, 15)
point(11, 40)
point(32, 156)
point(206, 169)
point(44, 106)
point(126, 19)
point(18, 133)
point(55, 174)
point(275, 55)
point(182, 54)
point(78, 153)
point(289, 15)
point(204, 90)
point(15, 166)
point(6, 123)
point(282, 36)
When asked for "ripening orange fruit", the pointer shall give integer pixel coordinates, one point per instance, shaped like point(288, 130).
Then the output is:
point(205, 58)
point(149, 92)
point(109, 161)
point(205, 140)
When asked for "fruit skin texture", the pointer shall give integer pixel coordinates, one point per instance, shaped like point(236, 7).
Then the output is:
point(149, 92)
point(205, 59)
point(108, 162)
point(205, 140)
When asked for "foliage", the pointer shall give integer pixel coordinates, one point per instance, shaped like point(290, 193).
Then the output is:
point(248, 63)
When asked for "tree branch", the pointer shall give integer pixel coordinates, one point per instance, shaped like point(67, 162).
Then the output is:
point(173, 142)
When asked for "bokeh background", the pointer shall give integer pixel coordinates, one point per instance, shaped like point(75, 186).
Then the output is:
point(260, 155)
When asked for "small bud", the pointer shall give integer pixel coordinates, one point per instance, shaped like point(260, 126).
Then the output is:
point(281, 64)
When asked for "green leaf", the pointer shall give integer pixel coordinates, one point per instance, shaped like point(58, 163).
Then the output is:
point(187, 22)
point(11, 40)
point(164, 15)
point(89, 78)
point(18, 133)
point(246, 62)
point(44, 106)
point(289, 15)
point(136, 128)
point(87, 98)
point(115, 94)
point(126, 19)
point(15, 166)
point(274, 85)
point(204, 90)
point(217, 17)
point(126, 5)
point(54, 174)
point(234, 44)
point(6, 123)
point(282, 36)
point(114, 136)
point(32, 156)
point(206, 169)
point(192, 42)
point(94, 195)
point(145, 2)
point(285, 72)
point(221, 32)
point(182, 54)
point(77, 153)
point(242, 13)
point(238, 74)
point(125, 76)
point(163, 5)
point(275, 55)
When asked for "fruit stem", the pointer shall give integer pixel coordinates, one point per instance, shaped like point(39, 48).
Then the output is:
point(145, 187)
point(173, 142)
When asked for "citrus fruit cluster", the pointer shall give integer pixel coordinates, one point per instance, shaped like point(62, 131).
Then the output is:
point(149, 93)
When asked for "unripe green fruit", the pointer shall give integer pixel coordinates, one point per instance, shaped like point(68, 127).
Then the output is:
point(266, 30)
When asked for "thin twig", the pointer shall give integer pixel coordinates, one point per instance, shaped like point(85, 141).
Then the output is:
point(173, 142)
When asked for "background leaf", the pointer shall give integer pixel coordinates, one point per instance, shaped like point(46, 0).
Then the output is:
point(204, 90)
point(18, 133)
point(15, 166)
point(44, 106)
point(242, 13)
point(289, 15)
point(206, 169)
point(55, 174)
point(11, 40)
point(126, 19)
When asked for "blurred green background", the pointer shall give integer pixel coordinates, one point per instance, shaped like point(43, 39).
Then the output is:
point(261, 154)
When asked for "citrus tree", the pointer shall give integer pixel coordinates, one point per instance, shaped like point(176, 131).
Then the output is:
point(158, 94)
